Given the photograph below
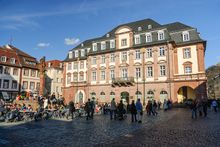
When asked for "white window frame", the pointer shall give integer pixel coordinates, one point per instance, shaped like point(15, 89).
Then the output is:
point(94, 60)
point(124, 73)
point(112, 74)
point(94, 76)
point(103, 45)
point(76, 54)
point(94, 47)
point(12, 60)
point(148, 37)
point(186, 36)
point(137, 39)
point(187, 53)
point(112, 58)
point(124, 42)
point(124, 56)
point(112, 44)
point(138, 72)
point(102, 59)
point(70, 54)
point(68, 78)
point(137, 54)
point(69, 66)
point(102, 78)
point(150, 71)
point(149, 53)
point(162, 51)
point(162, 70)
point(3, 58)
point(161, 35)
point(82, 52)
point(188, 69)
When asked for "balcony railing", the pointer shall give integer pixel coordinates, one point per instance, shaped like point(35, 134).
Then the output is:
point(190, 77)
point(122, 81)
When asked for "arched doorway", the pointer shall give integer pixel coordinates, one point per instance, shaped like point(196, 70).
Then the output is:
point(102, 97)
point(125, 97)
point(185, 92)
point(138, 95)
point(150, 95)
point(93, 95)
point(163, 96)
point(79, 98)
point(112, 95)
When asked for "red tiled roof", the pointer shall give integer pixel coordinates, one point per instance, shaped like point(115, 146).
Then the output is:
point(53, 63)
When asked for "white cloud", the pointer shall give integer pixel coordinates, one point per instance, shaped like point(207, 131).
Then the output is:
point(71, 41)
point(42, 45)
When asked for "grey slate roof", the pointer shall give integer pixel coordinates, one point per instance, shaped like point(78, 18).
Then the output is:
point(173, 32)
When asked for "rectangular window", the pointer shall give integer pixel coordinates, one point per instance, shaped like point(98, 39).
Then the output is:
point(0, 83)
point(82, 52)
point(33, 73)
point(6, 84)
point(102, 59)
point(185, 36)
point(38, 86)
point(75, 65)
point(57, 89)
point(94, 47)
point(14, 84)
point(112, 74)
point(138, 72)
point(70, 54)
point(94, 76)
point(138, 54)
point(148, 37)
point(102, 75)
point(160, 35)
point(26, 72)
point(137, 39)
point(7, 70)
point(75, 77)
point(94, 60)
point(15, 71)
point(3, 58)
point(32, 86)
point(149, 53)
point(69, 66)
point(76, 54)
point(187, 53)
point(124, 73)
point(25, 85)
point(149, 71)
point(124, 42)
point(124, 56)
point(57, 80)
point(12, 60)
point(103, 46)
point(112, 58)
point(68, 78)
point(1, 69)
point(81, 77)
point(162, 51)
point(162, 70)
point(188, 69)
point(112, 44)
point(81, 65)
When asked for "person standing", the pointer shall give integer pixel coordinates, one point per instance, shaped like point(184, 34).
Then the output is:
point(133, 112)
point(71, 109)
point(205, 107)
point(194, 109)
point(92, 106)
point(88, 109)
point(139, 108)
point(113, 108)
point(214, 105)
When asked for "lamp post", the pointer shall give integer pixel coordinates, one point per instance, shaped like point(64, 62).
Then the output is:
point(137, 85)
point(77, 84)
point(143, 63)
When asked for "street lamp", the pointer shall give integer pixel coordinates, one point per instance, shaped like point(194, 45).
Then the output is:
point(143, 63)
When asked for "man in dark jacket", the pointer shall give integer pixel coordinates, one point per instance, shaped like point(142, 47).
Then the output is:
point(88, 109)
point(71, 108)
point(133, 112)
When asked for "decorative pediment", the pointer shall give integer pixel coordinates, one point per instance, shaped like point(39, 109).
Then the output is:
point(123, 29)
point(111, 67)
point(102, 67)
point(161, 61)
point(93, 68)
point(137, 64)
point(149, 63)
point(187, 63)
point(124, 65)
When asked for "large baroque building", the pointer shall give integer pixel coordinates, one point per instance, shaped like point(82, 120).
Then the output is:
point(141, 59)
point(54, 77)
point(18, 72)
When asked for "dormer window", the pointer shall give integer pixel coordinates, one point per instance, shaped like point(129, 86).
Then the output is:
point(49, 64)
point(149, 27)
point(123, 42)
point(82, 52)
point(70, 54)
point(107, 35)
point(12, 60)
point(76, 54)
point(3, 58)
point(82, 45)
point(185, 35)
point(139, 29)
point(103, 46)
point(112, 43)
point(137, 39)
point(161, 35)
point(94, 46)
point(148, 37)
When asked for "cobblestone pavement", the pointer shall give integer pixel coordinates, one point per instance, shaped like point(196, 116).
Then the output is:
point(172, 128)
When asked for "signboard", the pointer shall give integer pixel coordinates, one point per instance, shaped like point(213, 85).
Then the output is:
point(5, 95)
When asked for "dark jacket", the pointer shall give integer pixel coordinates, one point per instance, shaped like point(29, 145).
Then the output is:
point(133, 109)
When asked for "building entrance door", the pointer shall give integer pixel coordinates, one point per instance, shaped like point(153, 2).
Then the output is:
point(125, 97)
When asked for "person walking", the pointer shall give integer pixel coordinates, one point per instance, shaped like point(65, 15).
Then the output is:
point(133, 112)
point(165, 105)
point(214, 105)
point(88, 109)
point(139, 108)
point(205, 107)
point(121, 110)
point(154, 106)
point(113, 109)
point(194, 109)
point(92, 106)
point(72, 109)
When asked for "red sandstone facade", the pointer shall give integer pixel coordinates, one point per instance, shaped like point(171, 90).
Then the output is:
point(167, 66)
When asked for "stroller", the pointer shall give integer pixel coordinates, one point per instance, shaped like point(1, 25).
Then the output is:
point(121, 114)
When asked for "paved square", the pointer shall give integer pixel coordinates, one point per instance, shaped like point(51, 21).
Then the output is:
point(171, 128)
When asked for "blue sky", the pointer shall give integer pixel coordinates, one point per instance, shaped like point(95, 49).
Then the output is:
point(52, 27)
